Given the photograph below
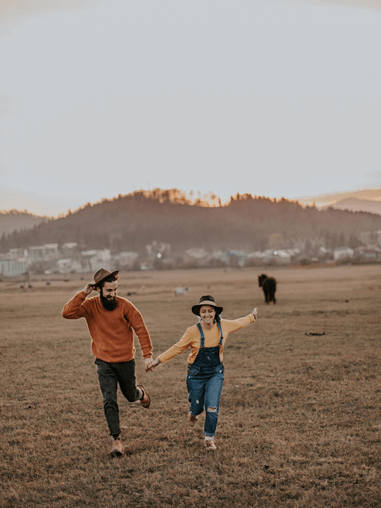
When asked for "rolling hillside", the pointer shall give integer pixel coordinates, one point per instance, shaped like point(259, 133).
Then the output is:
point(367, 200)
point(131, 222)
point(17, 221)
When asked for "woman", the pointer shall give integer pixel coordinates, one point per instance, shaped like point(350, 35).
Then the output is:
point(205, 368)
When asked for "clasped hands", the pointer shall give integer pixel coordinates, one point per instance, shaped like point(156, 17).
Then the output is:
point(150, 364)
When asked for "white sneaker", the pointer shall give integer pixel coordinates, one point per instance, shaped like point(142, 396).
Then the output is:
point(209, 445)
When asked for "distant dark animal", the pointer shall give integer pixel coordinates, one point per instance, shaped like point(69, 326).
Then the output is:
point(268, 284)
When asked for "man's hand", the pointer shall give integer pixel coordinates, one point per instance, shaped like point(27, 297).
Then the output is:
point(147, 362)
point(152, 364)
point(89, 288)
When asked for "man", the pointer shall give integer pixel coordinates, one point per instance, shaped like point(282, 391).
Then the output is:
point(111, 321)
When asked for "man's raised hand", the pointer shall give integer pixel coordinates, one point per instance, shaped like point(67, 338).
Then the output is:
point(89, 288)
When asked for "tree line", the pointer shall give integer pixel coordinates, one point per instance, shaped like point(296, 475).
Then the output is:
point(130, 222)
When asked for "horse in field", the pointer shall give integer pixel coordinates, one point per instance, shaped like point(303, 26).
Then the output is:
point(268, 284)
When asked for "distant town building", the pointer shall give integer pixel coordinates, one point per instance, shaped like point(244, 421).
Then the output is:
point(12, 268)
point(155, 248)
point(343, 253)
point(16, 254)
point(69, 265)
point(46, 252)
point(255, 258)
point(371, 238)
point(234, 257)
point(68, 249)
point(93, 260)
point(126, 259)
point(368, 254)
point(196, 257)
point(282, 257)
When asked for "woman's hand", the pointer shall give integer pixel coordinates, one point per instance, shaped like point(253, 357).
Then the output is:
point(152, 365)
point(147, 362)
point(255, 313)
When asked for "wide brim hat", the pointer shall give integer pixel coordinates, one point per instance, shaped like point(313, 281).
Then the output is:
point(103, 274)
point(206, 300)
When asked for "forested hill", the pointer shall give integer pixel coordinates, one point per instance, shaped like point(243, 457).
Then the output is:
point(17, 221)
point(131, 222)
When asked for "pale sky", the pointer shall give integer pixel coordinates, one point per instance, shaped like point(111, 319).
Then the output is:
point(268, 97)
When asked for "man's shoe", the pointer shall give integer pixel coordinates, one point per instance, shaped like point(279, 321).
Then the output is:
point(209, 445)
point(118, 448)
point(146, 400)
point(192, 419)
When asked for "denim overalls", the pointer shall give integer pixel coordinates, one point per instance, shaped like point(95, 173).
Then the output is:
point(204, 382)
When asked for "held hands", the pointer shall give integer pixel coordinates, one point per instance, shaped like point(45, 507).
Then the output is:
point(147, 362)
point(151, 364)
point(255, 313)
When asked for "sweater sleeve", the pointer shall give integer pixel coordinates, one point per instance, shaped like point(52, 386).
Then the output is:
point(237, 324)
point(74, 309)
point(177, 348)
point(137, 323)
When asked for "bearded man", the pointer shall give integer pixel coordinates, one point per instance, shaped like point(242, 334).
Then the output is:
point(111, 321)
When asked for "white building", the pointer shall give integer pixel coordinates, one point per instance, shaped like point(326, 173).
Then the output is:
point(12, 268)
point(68, 249)
point(16, 254)
point(343, 253)
point(45, 252)
point(95, 259)
point(237, 257)
point(282, 257)
point(371, 238)
point(196, 257)
point(368, 254)
point(68, 265)
point(126, 259)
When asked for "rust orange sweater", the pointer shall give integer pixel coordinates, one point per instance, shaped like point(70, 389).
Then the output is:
point(111, 331)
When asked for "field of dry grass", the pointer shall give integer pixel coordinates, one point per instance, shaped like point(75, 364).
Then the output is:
point(300, 419)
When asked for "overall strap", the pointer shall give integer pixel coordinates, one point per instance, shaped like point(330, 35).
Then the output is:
point(202, 335)
point(222, 337)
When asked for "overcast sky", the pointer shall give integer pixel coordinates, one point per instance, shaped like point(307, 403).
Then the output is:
point(268, 97)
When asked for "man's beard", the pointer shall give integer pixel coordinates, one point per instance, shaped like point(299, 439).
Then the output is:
point(109, 303)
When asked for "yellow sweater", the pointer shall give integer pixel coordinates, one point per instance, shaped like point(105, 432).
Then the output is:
point(111, 331)
point(192, 338)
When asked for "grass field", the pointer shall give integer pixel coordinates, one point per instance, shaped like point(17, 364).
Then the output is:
point(300, 419)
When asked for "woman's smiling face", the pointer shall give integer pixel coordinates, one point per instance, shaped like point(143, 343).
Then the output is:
point(207, 314)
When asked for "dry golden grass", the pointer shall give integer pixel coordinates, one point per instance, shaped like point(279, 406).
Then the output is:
point(300, 418)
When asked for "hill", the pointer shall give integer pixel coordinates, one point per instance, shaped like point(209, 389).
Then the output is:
point(358, 205)
point(17, 221)
point(252, 223)
point(367, 200)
